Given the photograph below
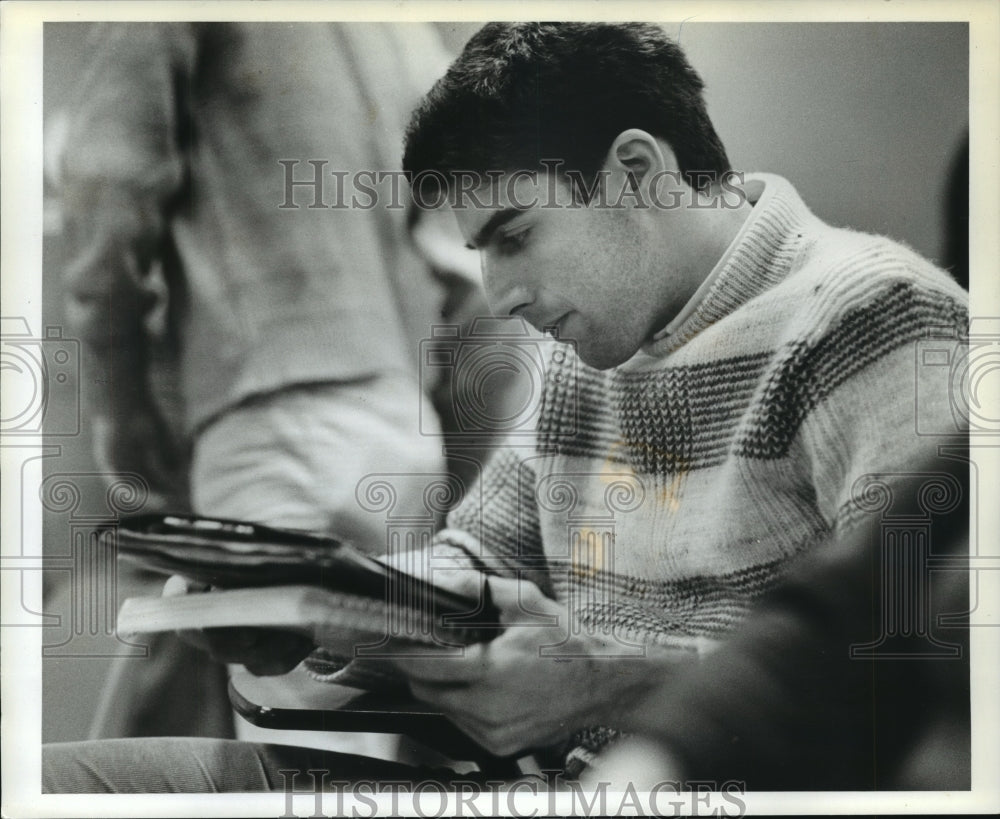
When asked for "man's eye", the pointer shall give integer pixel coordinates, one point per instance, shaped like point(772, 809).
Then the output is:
point(513, 241)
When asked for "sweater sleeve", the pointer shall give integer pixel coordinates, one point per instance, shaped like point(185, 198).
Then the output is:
point(495, 529)
point(868, 378)
point(883, 388)
point(120, 168)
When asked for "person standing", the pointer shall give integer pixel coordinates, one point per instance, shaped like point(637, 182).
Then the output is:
point(200, 175)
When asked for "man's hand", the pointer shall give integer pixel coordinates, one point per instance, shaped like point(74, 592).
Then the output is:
point(509, 695)
point(263, 652)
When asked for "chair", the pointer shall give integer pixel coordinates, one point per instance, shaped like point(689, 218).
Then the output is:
point(297, 702)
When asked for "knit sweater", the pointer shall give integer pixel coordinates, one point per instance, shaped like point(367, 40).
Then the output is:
point(662, 498)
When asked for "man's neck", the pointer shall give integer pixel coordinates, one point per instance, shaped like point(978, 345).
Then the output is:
point(724, 216)
point(721, 215)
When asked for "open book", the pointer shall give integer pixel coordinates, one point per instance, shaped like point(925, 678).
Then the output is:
point(343, 600)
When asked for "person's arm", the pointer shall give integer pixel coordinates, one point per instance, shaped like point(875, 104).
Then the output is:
point(860, 404)
point(119, 171)
point(540, 681)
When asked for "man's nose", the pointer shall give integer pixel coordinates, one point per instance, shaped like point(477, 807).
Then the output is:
point(506, 303)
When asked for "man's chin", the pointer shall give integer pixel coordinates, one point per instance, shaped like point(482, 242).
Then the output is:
point(599, 358)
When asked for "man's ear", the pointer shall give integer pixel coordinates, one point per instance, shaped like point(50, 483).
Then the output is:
point(638, 153)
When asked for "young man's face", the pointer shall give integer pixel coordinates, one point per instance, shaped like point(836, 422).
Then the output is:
point(599, 275)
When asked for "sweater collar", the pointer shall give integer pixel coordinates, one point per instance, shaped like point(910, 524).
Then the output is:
point(760, 256)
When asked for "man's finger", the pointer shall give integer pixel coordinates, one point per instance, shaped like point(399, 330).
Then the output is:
point(456, 701)
point(472, 665)
point(178, 585)
point(271, 667)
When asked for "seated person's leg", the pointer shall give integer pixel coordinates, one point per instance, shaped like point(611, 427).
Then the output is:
point(202, 765)
point(294, 459)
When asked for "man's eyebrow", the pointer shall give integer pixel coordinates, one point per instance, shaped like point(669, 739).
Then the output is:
point(497, 220)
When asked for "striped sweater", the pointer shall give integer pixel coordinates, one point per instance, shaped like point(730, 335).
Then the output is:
point(661, 498)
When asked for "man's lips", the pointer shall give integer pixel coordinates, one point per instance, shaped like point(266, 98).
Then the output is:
point(554, 326)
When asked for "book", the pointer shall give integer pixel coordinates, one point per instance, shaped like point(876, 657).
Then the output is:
point(264, 577)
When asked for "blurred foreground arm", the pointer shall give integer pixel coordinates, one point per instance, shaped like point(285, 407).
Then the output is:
point(118, 173)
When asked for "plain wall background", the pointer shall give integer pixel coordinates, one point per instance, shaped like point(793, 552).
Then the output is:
point(862, 118)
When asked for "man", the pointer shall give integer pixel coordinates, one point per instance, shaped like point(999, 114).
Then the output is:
point(738, 366)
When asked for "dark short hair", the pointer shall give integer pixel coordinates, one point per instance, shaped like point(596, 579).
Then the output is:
point(520, 93)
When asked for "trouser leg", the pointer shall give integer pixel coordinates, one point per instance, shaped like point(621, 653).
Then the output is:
point(200, 765)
